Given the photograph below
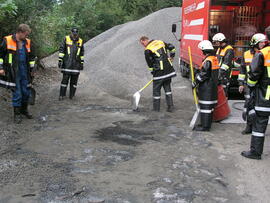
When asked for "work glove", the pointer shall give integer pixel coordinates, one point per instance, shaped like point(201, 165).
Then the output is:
point(194, 84)
point(60, 64)
point(220, 78)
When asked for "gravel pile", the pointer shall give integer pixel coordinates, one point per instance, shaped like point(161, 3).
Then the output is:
point(114, 60)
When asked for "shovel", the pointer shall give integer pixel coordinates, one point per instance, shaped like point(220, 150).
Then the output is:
point(32, 97)
point(137, 96)
point(196, 114)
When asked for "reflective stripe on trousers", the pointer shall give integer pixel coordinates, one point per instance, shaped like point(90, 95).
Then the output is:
point(207, 102)
point(260, 125)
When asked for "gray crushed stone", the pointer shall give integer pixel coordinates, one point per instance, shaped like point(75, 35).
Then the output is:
point(114, 60)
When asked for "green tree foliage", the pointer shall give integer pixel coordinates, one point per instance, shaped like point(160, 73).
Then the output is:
point(7, 10)
point(7, 7)
point(51, 20)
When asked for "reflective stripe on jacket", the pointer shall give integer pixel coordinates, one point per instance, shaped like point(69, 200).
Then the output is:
point(224, 63)
point(71, 52)
point(245, 67)
point(260, 75)
point(208, 80)
point(157, 57)
point(9, 60)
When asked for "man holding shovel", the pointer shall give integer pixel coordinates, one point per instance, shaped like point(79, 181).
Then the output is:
point(207, 80)
point(159, 56)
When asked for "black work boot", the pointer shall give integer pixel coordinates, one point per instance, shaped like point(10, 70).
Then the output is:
point(156, 105)
point(24, 110)
point(247, 130)
point(200, 128)
point(256, 148)
point(61, 98)
point(72, 92)
point(17, 115)
point(62, 93)
point(169, 101)
point(206, 122)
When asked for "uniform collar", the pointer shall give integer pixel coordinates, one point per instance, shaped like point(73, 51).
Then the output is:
point(74, 39)
point(14, 39)
point(223, 47)
point(150, 42)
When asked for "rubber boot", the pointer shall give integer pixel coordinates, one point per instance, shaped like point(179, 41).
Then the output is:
point(247, 130)
point(62, 93)
point(206, 122)
point(169, 101)
point(256, 148)
point(17, 115)
point(156, 105)
point(72, 92)
point(24, 111)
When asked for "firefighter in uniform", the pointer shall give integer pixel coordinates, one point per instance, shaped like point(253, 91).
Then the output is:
point(249, 112)
point(16, 65)
point(71, 59)
point(225, 55)
point(159, 56)
point(207, 81)
point(259, 81)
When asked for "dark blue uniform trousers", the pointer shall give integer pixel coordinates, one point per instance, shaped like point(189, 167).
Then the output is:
point(22, 91)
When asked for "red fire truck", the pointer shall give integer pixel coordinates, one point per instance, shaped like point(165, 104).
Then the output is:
point(238, 20)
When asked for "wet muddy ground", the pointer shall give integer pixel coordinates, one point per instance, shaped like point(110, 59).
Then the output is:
point(95, 150)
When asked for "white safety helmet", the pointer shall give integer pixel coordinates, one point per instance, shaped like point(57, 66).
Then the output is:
point(205, 45)
point(219, 37)
point(257, 38)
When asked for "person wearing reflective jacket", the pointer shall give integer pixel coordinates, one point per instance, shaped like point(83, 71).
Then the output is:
point(159, 56)
point(207, 81)
point(16, 67)
point(249, 112)
point(225, 55)
point(259, 82)
point(71, 60)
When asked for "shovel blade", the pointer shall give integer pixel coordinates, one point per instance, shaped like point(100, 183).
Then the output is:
point(194, 119)
point(136, 100)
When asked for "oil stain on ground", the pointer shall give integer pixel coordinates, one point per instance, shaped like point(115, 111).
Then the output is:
point(123, 135)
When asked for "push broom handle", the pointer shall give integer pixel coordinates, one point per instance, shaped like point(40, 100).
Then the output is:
point(192, 76)
point(145, 86)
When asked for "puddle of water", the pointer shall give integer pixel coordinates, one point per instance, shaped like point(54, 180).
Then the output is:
point(85, 171)
point(162, 194)
point(43, 119)
point(85, 160)
point(103, 108)
point(88, 151)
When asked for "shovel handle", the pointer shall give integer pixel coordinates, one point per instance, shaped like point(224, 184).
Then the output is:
point(145, 86)
point(192, 77)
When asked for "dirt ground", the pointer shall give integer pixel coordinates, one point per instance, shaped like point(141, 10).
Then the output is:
point(96, 149)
